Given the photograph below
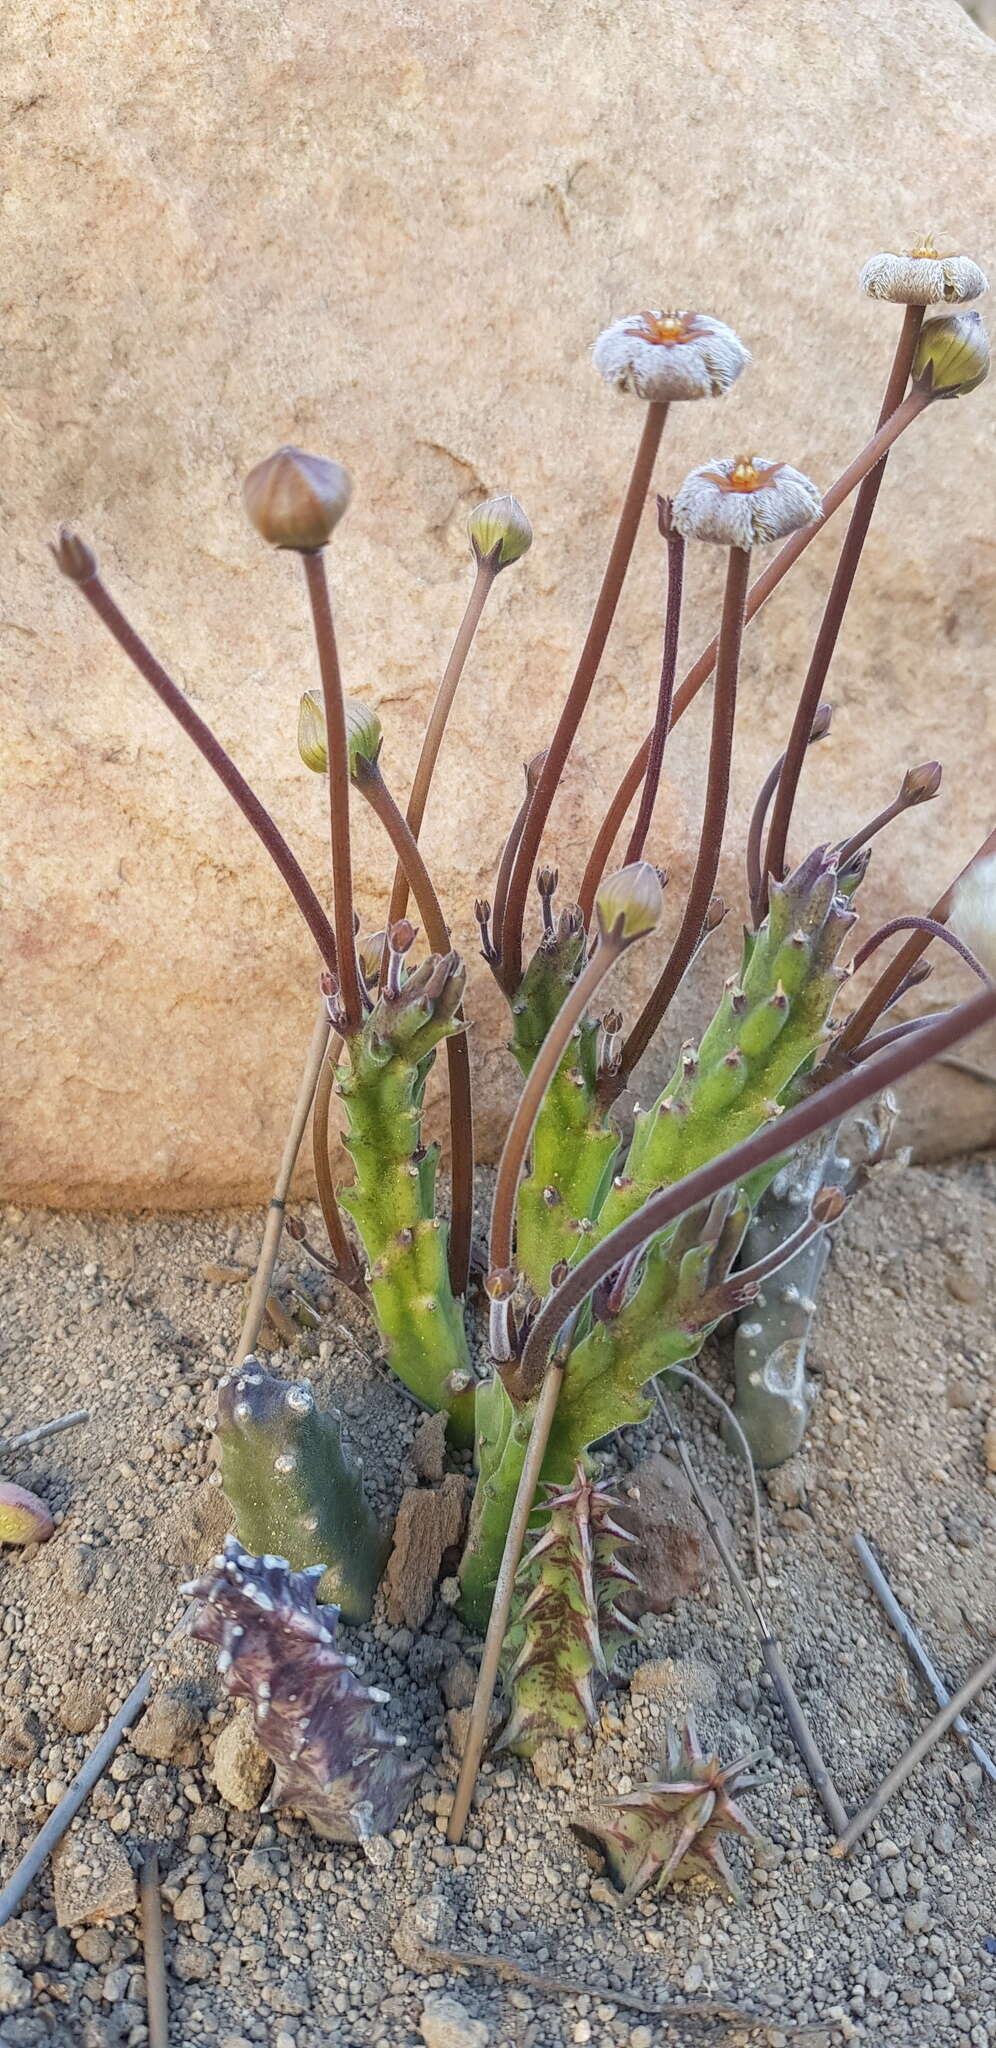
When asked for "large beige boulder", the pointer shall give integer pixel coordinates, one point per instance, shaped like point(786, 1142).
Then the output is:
point(390, 234)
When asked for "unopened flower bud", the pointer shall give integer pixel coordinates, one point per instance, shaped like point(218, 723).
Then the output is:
point(665, 356)
point(920, 784)
point(311, 732)
point(629, 903)
point(744, 502)
point(369, 954)
point(973, 911)
point(827, 1205)
point(499, 531)
point(74, 557)
point(401, 936)
point(364, 737)
point(821, 723)
point(714, 915)
point(296, 500)
point(952, 355)
point(534, 770)
point(923, 278)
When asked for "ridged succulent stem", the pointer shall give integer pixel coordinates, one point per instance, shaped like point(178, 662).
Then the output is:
point(713, 822)
point(580, 690)
point(338, 758)
point(347, 1265)
point(887, 987)
point(665, 689)
point(823, 1107)
point(532, 1465)
point(527, 1109)
point(370, 782)
point(758, 595)
point(836, 605)
point(196, 728)
point(487, 570)
point(273, 1228)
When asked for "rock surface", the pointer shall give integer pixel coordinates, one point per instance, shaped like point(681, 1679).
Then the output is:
point(241, 1769)
point(391, 236)
point(446, 2023)
point(93, 1877)
point(674, 1552)
point(429, 1522)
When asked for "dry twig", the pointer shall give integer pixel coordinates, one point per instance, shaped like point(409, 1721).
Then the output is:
point(45, 1430)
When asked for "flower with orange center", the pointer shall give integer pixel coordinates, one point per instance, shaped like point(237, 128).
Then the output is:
point(920, 277)
point(745, 500)
point(666, 355)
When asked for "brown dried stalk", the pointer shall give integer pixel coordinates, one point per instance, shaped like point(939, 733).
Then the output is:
point(942, 1721)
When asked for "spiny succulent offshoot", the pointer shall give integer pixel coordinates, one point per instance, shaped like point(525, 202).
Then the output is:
point(334, 1761)
point(566, 1629)
point(671, 1829)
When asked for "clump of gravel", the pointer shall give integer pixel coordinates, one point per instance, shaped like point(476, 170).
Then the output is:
point(275, 1937)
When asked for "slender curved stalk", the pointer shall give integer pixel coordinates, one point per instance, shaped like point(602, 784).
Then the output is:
point(196, 728)
point(371, 784)
point(665, 689)
point(530, 1101)
point(836, 605)
point(824, 1106)
point(347, 1266)
point(755, 830)
point(760, 591)
point(415, 812)
point(522, 1508)
point(713, 823)
point(338, 757)
point(580, 691)
point(933, 929)
point(694, 1379)
point(890, 981)
point(875, 825)
point(252, 1321)
point(870, 1046)
point(504, 875)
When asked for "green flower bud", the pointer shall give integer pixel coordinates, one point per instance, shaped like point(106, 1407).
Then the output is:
point(296, 500)
point(364, 737)
point(952, 355)
point(311, 732)
point(629, 903)
point(499, 531)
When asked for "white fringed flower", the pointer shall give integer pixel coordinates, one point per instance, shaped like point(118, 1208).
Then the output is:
point(921, 277)
point(973, 911)
point(743, 502)
point(664, 356)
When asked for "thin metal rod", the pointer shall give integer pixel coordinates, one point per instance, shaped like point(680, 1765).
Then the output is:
point(774, 1663)
point(252, 1321)
point(522, 1508)
point(45, 1430)
point(88, 1775)
point(924, 1743)
point(580, 690)
point(915, 1649)
point(153, 1955)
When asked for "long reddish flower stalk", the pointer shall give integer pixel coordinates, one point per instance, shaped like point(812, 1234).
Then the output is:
point(713, 822)
point(78, 563)
point(338, 757)
point(760, 591)
point(570, 718)
point(665, 688)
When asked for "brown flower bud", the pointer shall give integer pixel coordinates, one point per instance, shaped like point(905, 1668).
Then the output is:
point(920, 784)
point(296, 500)
point(534, 770)
point(74, 557)
point(827, 1205)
